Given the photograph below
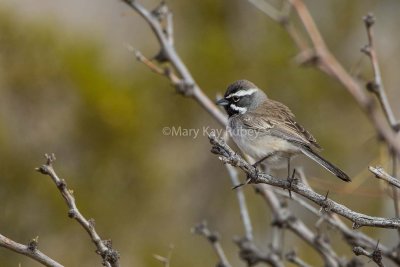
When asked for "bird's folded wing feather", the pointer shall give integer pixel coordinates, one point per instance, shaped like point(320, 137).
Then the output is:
point(276, 119)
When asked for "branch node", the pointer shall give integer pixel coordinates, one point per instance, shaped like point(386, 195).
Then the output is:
point(50, 158)
point(72, 213)
point(161, 11)
point(33, 244)
point(366, 49)
point(92, 223)
point(109, 255)
point(369, 20)
point(61, 184)
point(184, 88)
point(161, 56)
point(372, 87)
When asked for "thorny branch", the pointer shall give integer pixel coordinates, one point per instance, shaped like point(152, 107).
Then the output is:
point(31, 250)
point(375, 256)
point(291, 256)
point(104, 247)
point(352, 237)
point(229, 156)
point(252, 255)
point(284, 218)
point(213, 238)
point(319, 55)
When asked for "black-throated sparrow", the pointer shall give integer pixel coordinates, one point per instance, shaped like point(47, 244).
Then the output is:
point(266, 130)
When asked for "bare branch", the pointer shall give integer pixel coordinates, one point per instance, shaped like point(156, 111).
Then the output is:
point(244, 213)
point(165, 260)
point(213, 238)
point(376, 86)
point(284, 218)
point(292, 257)
point(381, 174)
point(375, 255)
point(187, 85)
point(358, 219)
point(352, 237)
point(31, 250)
point(253, 255)
point(322, 58)
point(104, 247)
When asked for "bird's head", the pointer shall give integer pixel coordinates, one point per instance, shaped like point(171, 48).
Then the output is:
point(241, 96)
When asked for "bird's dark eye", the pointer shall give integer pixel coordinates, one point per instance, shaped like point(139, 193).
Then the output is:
point(235, 99)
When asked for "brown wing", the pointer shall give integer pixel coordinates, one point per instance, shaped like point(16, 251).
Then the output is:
point(277, 119)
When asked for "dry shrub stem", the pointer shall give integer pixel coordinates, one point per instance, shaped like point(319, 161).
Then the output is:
point(104, 249)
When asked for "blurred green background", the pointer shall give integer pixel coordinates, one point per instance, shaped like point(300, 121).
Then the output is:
point(69, 85)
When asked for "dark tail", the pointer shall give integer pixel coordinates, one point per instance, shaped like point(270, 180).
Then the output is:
point(326, 164)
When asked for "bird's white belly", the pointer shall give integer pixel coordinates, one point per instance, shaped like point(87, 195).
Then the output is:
point(264, 145)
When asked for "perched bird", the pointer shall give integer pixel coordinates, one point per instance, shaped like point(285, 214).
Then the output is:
point(266, 130)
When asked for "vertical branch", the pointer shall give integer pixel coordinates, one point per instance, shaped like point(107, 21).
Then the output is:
point(376, 86)
point(244, 213)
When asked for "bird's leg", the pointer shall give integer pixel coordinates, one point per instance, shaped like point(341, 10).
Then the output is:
point(290, 178)
point(255, 165)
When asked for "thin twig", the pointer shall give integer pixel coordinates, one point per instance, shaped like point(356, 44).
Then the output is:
point(352, 237)
point(104, 249)
point(291, 256)
point(358, 219)
point(322, 58)
point(186, 85)
point(252, 255)
point(284, 218)
point(375, 255)
point(213, 238)
point(31, 250)
point(244, 212)
point(381, 174)
point(377, 86)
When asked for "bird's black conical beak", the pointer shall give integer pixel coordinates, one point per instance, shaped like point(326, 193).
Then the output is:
point(222, 102)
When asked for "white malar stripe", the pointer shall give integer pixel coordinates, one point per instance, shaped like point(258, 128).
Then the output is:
point(243, 92)
point(241, 110)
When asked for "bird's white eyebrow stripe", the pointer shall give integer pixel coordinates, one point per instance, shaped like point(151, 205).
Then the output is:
point(241, 110)
point(243, 92)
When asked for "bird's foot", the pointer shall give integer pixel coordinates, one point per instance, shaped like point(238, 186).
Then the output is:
point(242, 184)
point(291, 179)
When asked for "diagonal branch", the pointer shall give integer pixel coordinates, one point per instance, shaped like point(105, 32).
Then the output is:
point(291, 256)
point(352, 237)
point(375, 255)
point(31, 250)
point(104, 249)
point(320, 56)
point(227, 155)
point(284, 218)
point(186, 85)
point(213, 238)
point(381, 174)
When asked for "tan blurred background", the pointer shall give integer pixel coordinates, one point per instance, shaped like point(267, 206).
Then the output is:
point(69, 85)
